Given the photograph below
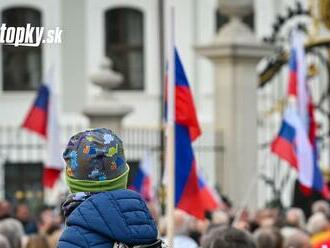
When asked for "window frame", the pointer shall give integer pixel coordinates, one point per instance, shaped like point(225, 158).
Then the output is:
point(130, 48)
point(40, 54)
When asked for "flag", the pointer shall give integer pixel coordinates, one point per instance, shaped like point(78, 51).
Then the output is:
point(142, 182)
point(293, 145)
point(297, 87)
point(187, 130)
point(42, 119)
point(296, 141)
point(321, 240)
point(36, 119)
point(209, 198)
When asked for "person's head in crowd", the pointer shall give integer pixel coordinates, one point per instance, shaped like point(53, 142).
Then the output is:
point(295, 218)
point(182, 230)
point(227, 237)
point(37, 241)
point(220, 218)
point(13, 230)
point(317, 223)
point(197, 228)
point(46, 221)
point(242, 225)
point(5, 209)
point(201, 225)
point(22, 212)
point(182, 222)
point(287, 231)
point(268, 237)
point(297, 239)
point(322, 207)
point(54, 238)
point(266, 217)
point(4, 242)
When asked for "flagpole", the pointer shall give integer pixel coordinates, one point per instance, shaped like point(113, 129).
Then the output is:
point(170, 125)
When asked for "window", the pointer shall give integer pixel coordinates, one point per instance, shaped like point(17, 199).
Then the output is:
point(222, 20)
point(23, 183)
point(124, 45)
point(21, 65)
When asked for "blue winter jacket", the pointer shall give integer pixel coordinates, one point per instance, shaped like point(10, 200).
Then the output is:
point(102, 219)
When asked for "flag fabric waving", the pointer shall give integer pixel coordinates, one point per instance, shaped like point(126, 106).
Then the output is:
point(296, 141)
point(293, 145)
point(210, 199)
point(142, 181)
point(36, 120)
point(42, 119)
point(186, 131)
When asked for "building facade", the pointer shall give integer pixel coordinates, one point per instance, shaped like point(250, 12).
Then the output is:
point(129, 32)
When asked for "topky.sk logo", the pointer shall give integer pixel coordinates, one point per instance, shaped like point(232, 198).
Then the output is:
point(29, 36)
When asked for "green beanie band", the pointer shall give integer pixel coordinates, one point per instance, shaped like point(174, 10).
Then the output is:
point(76, 185)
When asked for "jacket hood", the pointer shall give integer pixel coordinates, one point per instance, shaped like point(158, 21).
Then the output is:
point(119, 215)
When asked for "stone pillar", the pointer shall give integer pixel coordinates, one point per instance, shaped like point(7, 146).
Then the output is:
point(235, 53)
point(105, 115)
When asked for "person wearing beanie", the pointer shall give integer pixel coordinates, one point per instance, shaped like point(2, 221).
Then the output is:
point(100, 212)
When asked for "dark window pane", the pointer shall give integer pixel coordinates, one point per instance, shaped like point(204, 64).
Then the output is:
point(21, 65)
point(124, 45)
point(23, 183)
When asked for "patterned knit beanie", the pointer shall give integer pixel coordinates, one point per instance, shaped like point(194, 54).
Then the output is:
point(95, 162)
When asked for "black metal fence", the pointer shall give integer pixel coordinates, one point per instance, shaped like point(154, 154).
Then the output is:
point(18, 147)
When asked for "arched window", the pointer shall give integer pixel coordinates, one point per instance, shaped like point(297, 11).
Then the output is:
point(21, 65)
point(124, 45)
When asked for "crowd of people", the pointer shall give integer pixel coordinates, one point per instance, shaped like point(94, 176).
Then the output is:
point(267, 228)
point(20, 229)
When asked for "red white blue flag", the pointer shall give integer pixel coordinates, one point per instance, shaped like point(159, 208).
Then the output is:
point(42, 119)
point(36, 120)
point(296, 141)
point(187, 129)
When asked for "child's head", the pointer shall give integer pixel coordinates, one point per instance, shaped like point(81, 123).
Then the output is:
point(95, 162)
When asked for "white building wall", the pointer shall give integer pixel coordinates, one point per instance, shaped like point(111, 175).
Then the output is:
point(146, 103)
point(14, 105)
point(83, 49)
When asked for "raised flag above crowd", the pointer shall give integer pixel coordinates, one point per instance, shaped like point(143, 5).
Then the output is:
point(296, 141)
point(43, 120)
point(187, 184)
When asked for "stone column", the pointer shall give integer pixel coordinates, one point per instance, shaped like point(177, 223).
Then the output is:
point(235, 53)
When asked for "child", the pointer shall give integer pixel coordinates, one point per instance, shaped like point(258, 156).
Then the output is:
point(101, 212)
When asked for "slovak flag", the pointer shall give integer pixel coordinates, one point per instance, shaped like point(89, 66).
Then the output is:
point(209, 197)
point(42, 119)
point(296, 141)
point(293, 145)
point(36, 120)
point(187, 190)
point(142, 182)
